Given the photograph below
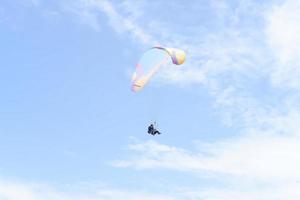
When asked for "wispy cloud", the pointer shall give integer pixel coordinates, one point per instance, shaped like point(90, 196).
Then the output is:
point(258, 155)
point(10, 190)
point(89, 10)
point(288, 191)
point(260, 164)
point(283, 33)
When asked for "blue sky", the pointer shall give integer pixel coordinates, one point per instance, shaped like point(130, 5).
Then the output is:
point(71, 128)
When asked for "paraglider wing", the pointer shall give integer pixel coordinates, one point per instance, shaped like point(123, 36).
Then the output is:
point(150, 63)
point(177, 55)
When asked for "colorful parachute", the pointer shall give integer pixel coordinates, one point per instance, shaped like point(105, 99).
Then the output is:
point(151, 62)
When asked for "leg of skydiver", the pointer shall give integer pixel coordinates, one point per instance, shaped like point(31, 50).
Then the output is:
point(154, 132)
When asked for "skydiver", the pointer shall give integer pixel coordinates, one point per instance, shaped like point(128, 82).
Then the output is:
point(152, 130)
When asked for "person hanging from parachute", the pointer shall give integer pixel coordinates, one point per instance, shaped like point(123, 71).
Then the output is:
point(152, 130)
point(149, 64)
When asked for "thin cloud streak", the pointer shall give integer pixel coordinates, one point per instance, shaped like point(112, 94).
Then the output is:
point(33, 191)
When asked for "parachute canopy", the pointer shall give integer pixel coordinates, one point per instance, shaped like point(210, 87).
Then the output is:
point(150, 63)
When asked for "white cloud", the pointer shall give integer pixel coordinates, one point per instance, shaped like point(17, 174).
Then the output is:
point(283, 32)
point(261, 155)
point(28, 191)
point(288, 191)
point(258, 165)
point(89, 10)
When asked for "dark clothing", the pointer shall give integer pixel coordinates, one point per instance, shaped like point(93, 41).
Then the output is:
point(152, 130)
